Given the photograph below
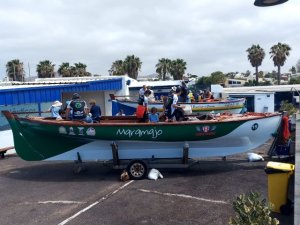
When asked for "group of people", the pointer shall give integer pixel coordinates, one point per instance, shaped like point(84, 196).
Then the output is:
point(151, 97)
point(77, 109)
point(201, 96)
point(171, 109)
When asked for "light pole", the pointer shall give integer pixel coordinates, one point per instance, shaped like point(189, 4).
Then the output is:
point(264, 3)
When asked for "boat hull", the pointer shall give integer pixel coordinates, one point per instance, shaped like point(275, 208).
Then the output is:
point(51, 140)
point(230, 105)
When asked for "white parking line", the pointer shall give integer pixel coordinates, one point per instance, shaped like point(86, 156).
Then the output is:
point(184, 196)
point(60, 202)
point(95, 203)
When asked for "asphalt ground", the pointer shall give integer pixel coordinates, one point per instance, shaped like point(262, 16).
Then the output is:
point(50, 193)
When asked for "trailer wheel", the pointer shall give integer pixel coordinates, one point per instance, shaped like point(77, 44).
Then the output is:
point(137, 169)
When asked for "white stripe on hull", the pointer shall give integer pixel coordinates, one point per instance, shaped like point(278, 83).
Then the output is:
point(240, 140)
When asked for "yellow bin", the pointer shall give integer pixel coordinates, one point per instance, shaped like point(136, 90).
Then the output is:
point(278, 180)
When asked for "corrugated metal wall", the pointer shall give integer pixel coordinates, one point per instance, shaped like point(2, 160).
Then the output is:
point(51, 93)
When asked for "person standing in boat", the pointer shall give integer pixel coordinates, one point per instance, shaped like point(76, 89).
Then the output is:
point(183, 97)
point(142, 90)
point(142, 108)
point(95, 110)
point(174, 108)
point(151, 97)
point(79, 109)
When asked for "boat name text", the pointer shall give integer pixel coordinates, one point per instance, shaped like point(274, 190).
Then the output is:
point(140, 133)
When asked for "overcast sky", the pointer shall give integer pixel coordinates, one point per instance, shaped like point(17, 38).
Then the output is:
point(210, 35)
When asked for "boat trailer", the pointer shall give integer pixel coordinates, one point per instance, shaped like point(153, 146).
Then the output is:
point(138, 168)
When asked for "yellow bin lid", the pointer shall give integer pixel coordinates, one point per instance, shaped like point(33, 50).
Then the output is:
point(286, 167)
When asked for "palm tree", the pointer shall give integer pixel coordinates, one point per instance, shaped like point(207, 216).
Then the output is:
point(132, 65)
point(80, 69)
point(279, 53)
point(15, 70)
point(163, 68)
point(45, 69)
point(64, 69)
point(293, 70)
point(117, 68)
point(256, 55)
point(178, 68)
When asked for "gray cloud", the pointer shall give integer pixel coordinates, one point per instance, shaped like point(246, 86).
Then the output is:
point(208, 35)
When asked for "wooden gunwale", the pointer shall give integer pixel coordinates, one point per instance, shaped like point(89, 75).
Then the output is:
point(103, 123)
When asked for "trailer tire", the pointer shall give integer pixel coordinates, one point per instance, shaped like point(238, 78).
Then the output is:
point(137, 169)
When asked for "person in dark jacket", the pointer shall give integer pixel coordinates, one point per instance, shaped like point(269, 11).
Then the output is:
point(95, 110)
point(79, 109)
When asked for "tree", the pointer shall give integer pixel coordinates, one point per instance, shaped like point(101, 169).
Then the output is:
point(279, 53)
point(15, 70)
point(248, 73)
point(261, 74)
point(295, 80)
point(192, 76)
point(163, 68)
point(132, 65)
point(298, 66)
point(214, 78)
point(177, 69)
point(64, 69)
point(217, 77)
point(288, 107)
point(45, 69)
point(293, 70)
point(80, 70)
point(203, 83)
point(256, 55)
point(231, 75)
point(117, 68)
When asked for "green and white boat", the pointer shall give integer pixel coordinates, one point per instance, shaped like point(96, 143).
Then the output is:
point(40, 138)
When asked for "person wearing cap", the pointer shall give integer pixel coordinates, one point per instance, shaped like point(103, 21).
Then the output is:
point(79, 109)
point(95, 110)
point(55, 110)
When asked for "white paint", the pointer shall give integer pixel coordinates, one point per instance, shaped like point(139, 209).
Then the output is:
point(7, 140)
point(60, 202)
point(95, 203)
point(184, 196)
point(240, 140)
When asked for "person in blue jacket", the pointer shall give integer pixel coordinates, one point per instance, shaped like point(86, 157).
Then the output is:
point(95, 110)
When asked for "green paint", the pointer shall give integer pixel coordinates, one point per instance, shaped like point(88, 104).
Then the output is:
point(38, 141)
